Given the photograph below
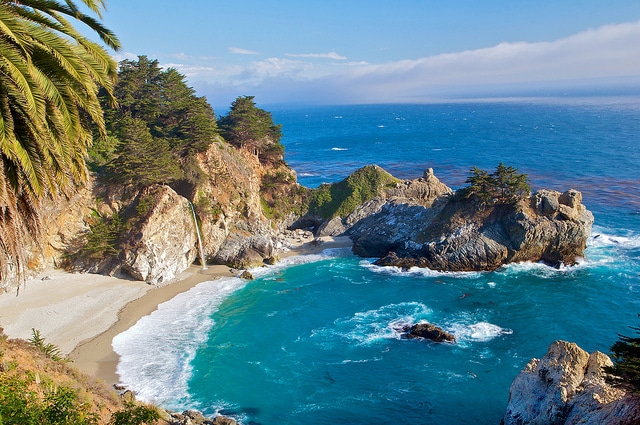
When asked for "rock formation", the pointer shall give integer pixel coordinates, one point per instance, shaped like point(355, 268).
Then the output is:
point(423, 192)
point(567, 387)
point(462, 234)
point(428, 331)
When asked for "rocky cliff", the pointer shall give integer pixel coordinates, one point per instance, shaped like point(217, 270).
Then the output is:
point(149, 234)
point(464, 234)
point(567, 387)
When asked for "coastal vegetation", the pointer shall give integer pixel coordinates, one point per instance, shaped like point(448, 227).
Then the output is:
point(625, 372)
point(342, 198)
point(504, 185)
point(49, 110)
point(38, 386)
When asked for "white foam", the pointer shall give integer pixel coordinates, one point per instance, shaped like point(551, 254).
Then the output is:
point(156, 353)
point(416, 271)
point(368, 327)
point(481, 331)
point(339, 149)
point(602, 237)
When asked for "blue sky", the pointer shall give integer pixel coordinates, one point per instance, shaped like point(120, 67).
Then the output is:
point(353, 51)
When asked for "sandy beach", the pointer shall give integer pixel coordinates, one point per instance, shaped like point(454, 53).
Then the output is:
point(82, 313)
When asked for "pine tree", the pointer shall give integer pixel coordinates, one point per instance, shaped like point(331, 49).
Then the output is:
point(252, 128)
point(142, 159)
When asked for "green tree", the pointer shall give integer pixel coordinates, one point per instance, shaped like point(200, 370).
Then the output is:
point(481, 183)
point(625, 372)
point(49, 79)
point(249, 127)
point(141, 159)
point(504, 185)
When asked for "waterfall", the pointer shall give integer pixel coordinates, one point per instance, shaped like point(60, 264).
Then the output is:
point(195, 221)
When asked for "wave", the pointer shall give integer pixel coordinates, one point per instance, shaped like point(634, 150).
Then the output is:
point(339, 149)
point(416, 271)
point(367, 327)
point(480, 332)
point(156, 353)
point(388, 323)
point(603, 237)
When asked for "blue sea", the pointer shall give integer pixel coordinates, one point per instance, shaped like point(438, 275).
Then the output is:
point(314, 339)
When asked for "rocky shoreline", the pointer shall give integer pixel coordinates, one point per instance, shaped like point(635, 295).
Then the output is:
point(568, 387)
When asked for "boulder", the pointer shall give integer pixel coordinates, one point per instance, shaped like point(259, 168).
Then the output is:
point(428, 331)
point(163, 244)
point(567, 387)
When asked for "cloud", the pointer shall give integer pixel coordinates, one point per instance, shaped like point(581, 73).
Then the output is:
point(240, 51)
point(330, 55)
point(595, 55)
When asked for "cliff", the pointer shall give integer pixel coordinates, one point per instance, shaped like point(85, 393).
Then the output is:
point(567, 387)
point(150, 233)
point(464, 234)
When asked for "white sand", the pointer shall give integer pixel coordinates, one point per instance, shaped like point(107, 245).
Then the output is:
point(67, 308)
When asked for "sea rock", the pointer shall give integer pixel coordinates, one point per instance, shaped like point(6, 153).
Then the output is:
point(567, 387)
point(458, 234)
point(428, 331)
point(246, 275)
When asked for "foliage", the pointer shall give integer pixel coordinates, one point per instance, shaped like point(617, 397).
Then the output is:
point(625, 372)
point(160, 115)
point(22, 405)
point(342, 198)
point(30, 395)
point(504, 185)
point(103, 237)
point(135, 414)
point(50, 350)
point(141, 160)
point(280, 195)
point(49, 78)
point(249, 127)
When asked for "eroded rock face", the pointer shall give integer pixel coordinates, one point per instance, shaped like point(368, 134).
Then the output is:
point(463, 235)
point(567, 386)
point(164, 244)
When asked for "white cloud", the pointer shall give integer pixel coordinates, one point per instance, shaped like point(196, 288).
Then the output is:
point(330, 55)
point(240, 51)
point(607, 52)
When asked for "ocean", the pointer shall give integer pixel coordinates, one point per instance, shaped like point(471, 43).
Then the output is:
point(315, 340)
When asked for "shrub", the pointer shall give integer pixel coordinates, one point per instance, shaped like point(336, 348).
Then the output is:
point(50, 350)
point(135, 414)
point(625, 372)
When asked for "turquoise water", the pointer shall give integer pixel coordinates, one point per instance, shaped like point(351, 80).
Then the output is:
point(315, 339)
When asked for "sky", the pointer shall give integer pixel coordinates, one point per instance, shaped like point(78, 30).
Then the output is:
point(372, 51)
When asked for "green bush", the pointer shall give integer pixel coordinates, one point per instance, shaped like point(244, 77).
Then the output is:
point(135, 414)
point(342, 198)
point(504, 185)
point(625, 372)
point(50, 350)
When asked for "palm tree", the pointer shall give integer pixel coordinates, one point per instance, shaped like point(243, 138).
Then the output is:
point(50, 75)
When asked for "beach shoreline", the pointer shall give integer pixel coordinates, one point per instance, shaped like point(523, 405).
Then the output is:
point(82, 313)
